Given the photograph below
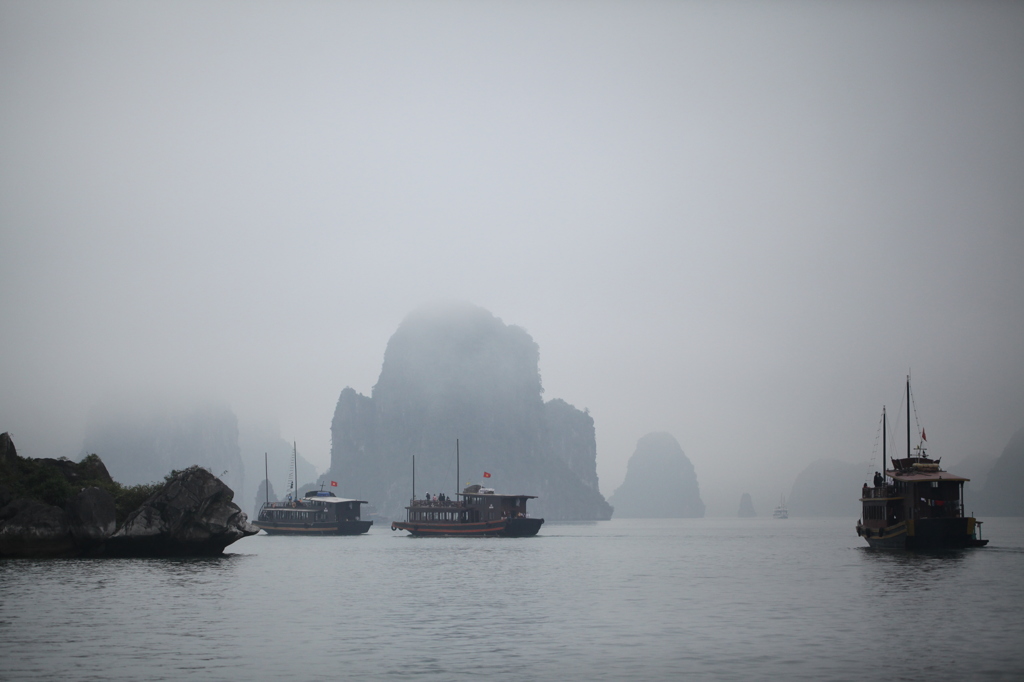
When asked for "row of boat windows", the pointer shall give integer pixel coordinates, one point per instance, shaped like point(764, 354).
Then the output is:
point(282, 515)
point(437, 516)
point(877, 512)
point(462, 517)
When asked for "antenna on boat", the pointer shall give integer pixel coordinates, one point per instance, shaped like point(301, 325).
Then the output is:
point(457, 477)
point(414, 477)
point(295, 472)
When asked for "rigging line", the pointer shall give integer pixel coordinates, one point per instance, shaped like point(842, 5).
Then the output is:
point(917, 422)
point(890, 441)
point(898, 426)
point(874, 450)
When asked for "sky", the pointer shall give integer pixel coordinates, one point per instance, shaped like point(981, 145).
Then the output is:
point(742, 223)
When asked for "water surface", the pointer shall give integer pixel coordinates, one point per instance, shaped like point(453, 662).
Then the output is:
point(723, 599)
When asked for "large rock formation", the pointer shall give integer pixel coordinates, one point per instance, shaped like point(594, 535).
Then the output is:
point(62, 508)
point(145, 437)
point(660, 482)
point(458, 372)
point(828, 487)
point(192, 515)
point(1001, 495)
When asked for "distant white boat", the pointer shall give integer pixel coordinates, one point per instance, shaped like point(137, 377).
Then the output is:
point(781, 512)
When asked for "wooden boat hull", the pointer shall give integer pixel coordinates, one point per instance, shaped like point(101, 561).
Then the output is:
point(315, 528)
point(500, 527)
point(924, 534)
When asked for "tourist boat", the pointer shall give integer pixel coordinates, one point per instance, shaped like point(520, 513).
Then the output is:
point(781, 512)
point(318, 512)
point(916, 504)
point(480, 512)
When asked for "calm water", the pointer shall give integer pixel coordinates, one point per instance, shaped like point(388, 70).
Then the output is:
point(640, 599)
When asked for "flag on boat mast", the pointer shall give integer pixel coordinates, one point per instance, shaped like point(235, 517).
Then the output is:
point(923, 437)
point(334, 484)
point(486, 475)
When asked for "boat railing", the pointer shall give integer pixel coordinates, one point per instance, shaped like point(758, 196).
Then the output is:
point(437, 504)
point(880, 491)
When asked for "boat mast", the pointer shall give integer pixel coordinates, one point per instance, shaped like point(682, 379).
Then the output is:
point(883, 442)
point(414, 478)
point(457, 477)
point(266, 480)
point(295, 471)
point(908, 416)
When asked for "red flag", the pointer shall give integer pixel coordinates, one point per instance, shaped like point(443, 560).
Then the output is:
point(486, 475)
point(923, 437)
point(334, 484)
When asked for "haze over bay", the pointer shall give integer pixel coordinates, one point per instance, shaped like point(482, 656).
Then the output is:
point(738, 224)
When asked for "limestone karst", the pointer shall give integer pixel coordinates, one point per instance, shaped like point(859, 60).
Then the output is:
point(457, 372)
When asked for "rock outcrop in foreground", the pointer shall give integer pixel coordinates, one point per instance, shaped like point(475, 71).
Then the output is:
point(458, 372)
point(192, 515)
point(60, 508)
point(660, 482)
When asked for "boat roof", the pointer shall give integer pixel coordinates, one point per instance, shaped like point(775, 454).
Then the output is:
point(330, 500)
point(482, 494)
point(911, 476)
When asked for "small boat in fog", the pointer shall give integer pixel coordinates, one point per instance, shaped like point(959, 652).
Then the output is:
point(916, 504)
point(781, 511)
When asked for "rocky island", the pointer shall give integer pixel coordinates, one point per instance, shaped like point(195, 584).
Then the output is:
point(60, 508)
point(455, 371)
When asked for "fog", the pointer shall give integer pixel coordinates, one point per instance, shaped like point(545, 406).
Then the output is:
point(741, 223)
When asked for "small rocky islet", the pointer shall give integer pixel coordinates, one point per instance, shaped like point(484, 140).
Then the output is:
point(61, 508)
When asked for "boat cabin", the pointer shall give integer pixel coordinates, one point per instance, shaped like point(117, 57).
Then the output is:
point(915, 488)
point(315, 505)
point(477, 504)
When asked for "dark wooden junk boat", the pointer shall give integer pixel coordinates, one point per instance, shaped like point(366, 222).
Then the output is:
point(916, 504)
point(480, 512)
point(318, 512)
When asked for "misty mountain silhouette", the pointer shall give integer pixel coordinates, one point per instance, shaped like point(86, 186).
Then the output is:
point(828, 487)
point(1001, 495)
point(660, 482)
point(141, 439)
point(455, 371)
point(746, 506)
